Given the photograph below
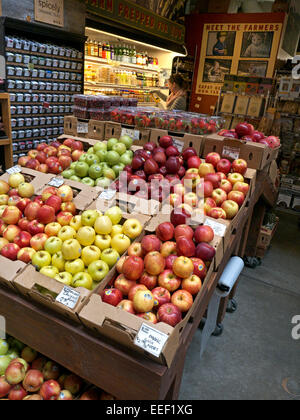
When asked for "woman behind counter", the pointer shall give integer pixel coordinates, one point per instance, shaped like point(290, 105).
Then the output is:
point(177, 101)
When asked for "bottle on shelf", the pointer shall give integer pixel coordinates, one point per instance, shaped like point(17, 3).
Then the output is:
point(99, 49)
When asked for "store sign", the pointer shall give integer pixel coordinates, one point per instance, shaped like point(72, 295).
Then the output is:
point(137, 17)
point(49, 11)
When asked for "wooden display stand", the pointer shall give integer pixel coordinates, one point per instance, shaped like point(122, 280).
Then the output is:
point(6, 143)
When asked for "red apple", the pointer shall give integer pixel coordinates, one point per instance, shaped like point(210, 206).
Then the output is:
point(41, 157)
point(148, 316)
point(50, 390)
point(219, 196)
point(25, 255)
point(214, 179)
point(46, 215)
point(172, 151)
point(180, 216)
point(127, 305)
point(205, 169)
point(65, 161)
point(33, 164)
point(35, 227)
point(209, 204)
point(204, 234)
point(188, 153)
point(11, 232)
point(151, 243)
point(183, 300)
point(123, 284)
point(169, 281)
point(136, 250)
point(237, 196)
point(173, 165)
point(154, 263)
point(31, 211)
point(170, 261)
point(169, 314)
point(149, 281)
point(224, 166)
point(133, 268)
point(10, 251)
point(17, 393)
point(135, 289)
point(168, 248)
point(240, 166)
point(48, 192)
point(22, 204)
point(205, 252)
point(38, 241)
point(161, 296)
point(165, 232)
point(23, 239)
point(5, 387)
point(165, 142)
point(112, 296)
point(185, 231)
point(244, 129)
point(33, 381)
point(192, 285)
point(11, 215)
point(185, 247)
point(208, 189)
point(160, 158)
point(231, 208)
point(217, 213)
point(151, 167)
point(213, 159)
point(226, 186)
point(194, 162)
point(200, 269)
point(242, 187)
point(23, 224)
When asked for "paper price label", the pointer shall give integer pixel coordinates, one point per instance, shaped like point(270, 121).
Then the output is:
point(56, 182)
point(68, 297)
point(231, 152)
point(151, 340)
point(218, 228)
point(134, 134)
point(107, 195)
point(179, 144)
point(14, 170)
point(82, 127)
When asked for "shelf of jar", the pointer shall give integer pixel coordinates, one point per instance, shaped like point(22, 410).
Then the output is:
point(36, 53)
point(98, 60)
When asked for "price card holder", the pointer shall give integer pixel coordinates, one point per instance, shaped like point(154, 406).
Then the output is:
point(231, 152)
point(82, 127)
point(56, 182)
point(179, 144)
point(151, 340)
point(14, 170)
point(218, 228)
point(68, 297)
point(107, 195)
point(134, 134)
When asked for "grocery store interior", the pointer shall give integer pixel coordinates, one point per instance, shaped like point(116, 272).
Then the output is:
point(149, 201)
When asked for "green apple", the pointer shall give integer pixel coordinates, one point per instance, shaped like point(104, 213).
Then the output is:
point(65, 233)
point(18, 345)
point(118, 169)
point(95, 171)
point(104, 165)
point(76, 222)
point(111, 143)
point(128, 141)
point(120, 243)
point(12, 353)
point(115, 214)
point(120, 148)
point(68, 173)
point(103, 225)
point(4, 346)
point(88, 181)
point(65, 278)
point(125, 159)
point(73, 164)
point(83, 280)
point(53, 245)
point(100, 146)
point(109, 173)
point(82, 169)
point(86, 236)
point(71, 249)
point(102, 242)
point(49, 271)
point(58, 261)
point(4, 362)
point(103, 182)
point(74, 267)
point(98, 270)
point(102, 155)
point(75, 178)
point(90, 254)
point(91, 151)
point(92, 159)
point(41, 259)
point(112, 158)
point(89, 217)
point(82, 158)
point(110, 256)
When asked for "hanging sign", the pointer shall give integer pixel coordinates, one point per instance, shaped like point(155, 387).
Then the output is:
point(49, 11)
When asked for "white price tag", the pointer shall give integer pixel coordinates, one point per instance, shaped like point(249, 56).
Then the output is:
point(179, 144)
point(14, 170)
point(82, 127)
point(218, 228)
point(56, 182)
point(68, 297)
point(134, 134)
point(107, 195)
point(231, 152)
point(151, 340)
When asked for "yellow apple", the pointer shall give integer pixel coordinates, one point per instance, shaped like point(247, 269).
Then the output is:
point(58, 261)
point(71, 249)
point(132, 228)
point(103, 242)
point(115, 214)
point(90, 254)
point(52, 229)
point(74, 267)
point(116, 230)
point(83, 280)
point(66, 232)
point(65, 278)
point(103, 225)
point(25, 190)
point(15, 180)
point(86, 235)
point(76, 223)
point(49, 271)
point(89, 217)
point(120, 243)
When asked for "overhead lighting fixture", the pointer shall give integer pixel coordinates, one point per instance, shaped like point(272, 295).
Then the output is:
point(137, 42)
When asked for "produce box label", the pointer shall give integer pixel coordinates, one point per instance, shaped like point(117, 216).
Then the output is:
point(68, 297)
point(218, 228)
point(14, 170)
point(56, 182)
point(179, 144)
point(134, 134)
point(151, 340)
point(107, 195)
point(231, 152)
point(82, 127)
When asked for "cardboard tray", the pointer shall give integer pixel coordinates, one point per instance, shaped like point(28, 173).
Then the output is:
point(38, 179)
point(9, 271)
point(122, 326)
point(258, 156)
point(92, 129)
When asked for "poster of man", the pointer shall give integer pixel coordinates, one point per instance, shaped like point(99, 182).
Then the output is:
point(215, 70)
point(220, 44)
point(257, 44)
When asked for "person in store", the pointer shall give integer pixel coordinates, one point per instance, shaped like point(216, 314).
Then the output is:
point(177, 100)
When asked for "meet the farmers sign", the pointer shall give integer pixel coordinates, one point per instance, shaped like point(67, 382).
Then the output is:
point(49, 11)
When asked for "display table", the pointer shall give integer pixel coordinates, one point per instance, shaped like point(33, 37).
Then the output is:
point(116, 370)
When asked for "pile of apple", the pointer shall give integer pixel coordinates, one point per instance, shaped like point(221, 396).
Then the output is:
point(27, 375)
point(53, 158)
point(246, 132)
point(162, 274)
point(221, 182)
point(102, 164)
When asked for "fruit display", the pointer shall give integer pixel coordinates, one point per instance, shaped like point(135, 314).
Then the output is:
point(27, 375)
point(53, 158)
point(160, 277)
point(247, 133)
point(102, 164)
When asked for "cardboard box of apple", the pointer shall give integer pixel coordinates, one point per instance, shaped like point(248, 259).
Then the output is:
point(102, 164)
point(246, 132)
point(27, 375)
point(221, 182)
point(53, 158)
point(77, 250)
point(161, 276)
